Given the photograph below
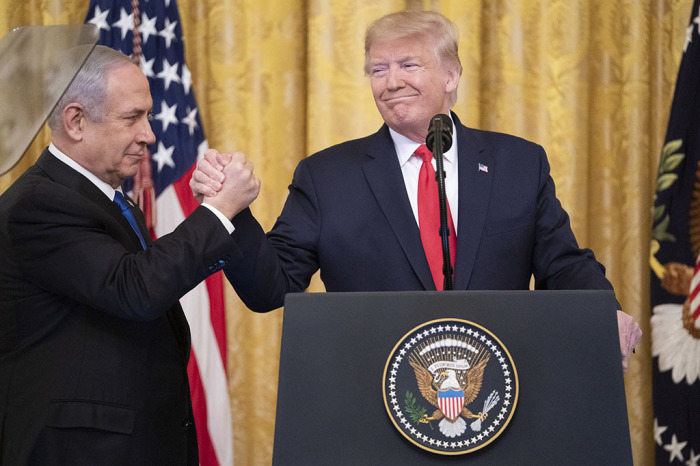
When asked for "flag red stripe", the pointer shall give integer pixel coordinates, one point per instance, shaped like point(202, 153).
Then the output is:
point(694, 293)
point(184, 193)
point(217, 313)
point(207, 455)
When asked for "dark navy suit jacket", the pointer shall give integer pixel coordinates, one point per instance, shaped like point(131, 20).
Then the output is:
point(348, 214)
point(93, 342)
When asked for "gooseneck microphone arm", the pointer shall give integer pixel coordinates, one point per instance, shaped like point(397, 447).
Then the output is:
point(438, 141)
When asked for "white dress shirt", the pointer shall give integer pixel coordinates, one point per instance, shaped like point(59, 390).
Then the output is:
point(410, 168)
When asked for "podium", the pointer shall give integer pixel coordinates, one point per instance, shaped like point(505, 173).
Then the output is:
point(564, 345)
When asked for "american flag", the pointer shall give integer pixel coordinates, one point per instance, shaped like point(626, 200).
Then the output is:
point(675, 264)
point(179, 142)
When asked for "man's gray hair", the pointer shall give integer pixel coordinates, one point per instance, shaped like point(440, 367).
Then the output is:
point(88, 88)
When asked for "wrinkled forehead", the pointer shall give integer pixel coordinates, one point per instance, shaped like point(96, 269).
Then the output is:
point(403, 46)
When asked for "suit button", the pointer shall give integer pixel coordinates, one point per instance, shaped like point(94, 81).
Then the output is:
point(186, 423)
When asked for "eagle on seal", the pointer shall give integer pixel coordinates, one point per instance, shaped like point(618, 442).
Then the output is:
point(446, 383)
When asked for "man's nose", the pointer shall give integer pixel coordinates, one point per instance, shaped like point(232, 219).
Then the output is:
point(146, 135)
point(394, 79)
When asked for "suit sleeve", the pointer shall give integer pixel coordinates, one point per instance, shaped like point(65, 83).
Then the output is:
point(69, 247)
point(284, 260)
point(559, 263)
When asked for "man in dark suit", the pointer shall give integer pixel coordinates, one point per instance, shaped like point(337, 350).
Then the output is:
point(93, 342)
point(354, 210)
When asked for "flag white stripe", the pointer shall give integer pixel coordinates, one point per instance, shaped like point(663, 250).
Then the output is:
point(694, 283)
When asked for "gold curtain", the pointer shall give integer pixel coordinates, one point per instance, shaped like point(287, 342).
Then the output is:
point(590, 80)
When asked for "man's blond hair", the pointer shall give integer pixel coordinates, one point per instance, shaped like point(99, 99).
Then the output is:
point(432, 25)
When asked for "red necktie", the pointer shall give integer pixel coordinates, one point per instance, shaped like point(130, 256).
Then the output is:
point(429, 218)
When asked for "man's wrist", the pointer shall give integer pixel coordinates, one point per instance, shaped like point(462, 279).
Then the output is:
point(224, 220)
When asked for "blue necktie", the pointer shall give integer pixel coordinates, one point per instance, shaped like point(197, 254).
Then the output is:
point(126, 212)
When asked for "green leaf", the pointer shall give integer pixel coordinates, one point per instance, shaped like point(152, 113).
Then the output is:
point(670, 163)
point(671, 147)
point(413, 411)
point(410, 398)
point(666, 237)
point(659, 212)
point(665, 181)
point(660, 232)
point(663, 225)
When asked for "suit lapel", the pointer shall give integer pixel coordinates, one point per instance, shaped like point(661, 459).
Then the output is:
point(61, 173)
point(383, 174)
point(65, 175)
point(474, 193)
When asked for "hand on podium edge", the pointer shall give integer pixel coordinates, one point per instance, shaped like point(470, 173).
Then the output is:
point(630, 333)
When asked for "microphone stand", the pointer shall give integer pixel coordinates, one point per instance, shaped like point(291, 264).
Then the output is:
point(447, 270)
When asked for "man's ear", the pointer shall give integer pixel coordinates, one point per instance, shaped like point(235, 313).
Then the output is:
point(74, 119)
point(453, 76)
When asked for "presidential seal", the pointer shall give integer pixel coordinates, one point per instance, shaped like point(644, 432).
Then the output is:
point(450, 386)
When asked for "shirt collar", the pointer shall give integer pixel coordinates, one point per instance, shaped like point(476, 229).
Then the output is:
point(406, 147)
point(106, 188)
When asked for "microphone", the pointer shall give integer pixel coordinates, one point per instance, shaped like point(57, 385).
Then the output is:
point(440, 128)
point(439, 140)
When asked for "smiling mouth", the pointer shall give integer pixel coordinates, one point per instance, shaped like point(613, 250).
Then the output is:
point(398, 98)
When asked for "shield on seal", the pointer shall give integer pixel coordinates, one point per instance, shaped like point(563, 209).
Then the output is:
point(451, 403)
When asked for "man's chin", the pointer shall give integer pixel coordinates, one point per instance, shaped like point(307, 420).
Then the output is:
point(408, 123)
point(129, 172)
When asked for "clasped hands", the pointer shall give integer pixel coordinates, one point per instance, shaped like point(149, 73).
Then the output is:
point(225, 181)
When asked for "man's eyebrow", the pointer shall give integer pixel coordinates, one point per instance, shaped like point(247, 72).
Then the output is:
point(401, 59)
point(136, 112)
point(417, 58)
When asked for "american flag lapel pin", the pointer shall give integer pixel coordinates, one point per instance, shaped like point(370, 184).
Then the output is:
point(483, 168)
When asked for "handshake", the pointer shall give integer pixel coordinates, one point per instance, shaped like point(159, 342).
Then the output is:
point(225, 181)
